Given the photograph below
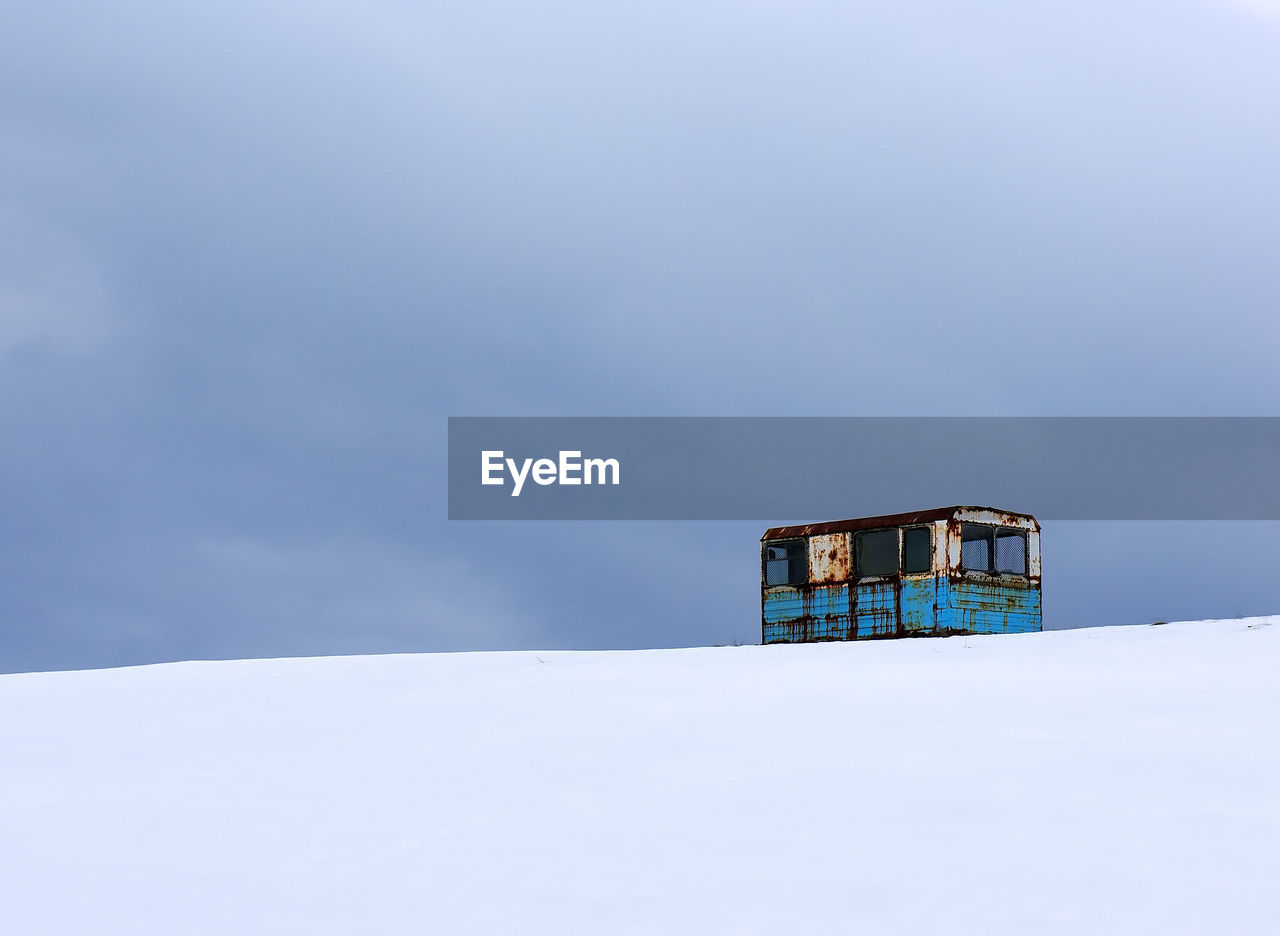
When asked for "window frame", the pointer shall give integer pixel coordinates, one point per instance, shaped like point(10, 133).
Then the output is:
point(927, 528)
point(858, 574)
point(993, 533)
point(803, 542)
point(1026, 551)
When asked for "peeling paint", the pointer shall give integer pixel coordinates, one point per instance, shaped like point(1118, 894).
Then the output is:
point(835, 603)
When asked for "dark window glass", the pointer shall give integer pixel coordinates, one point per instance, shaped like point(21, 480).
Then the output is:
point(975, 547)
point(878, 552)
point(917, 549)
point(1011, 551)
point(785, 563)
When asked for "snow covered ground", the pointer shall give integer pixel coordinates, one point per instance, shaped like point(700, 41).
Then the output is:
point(1110, 780)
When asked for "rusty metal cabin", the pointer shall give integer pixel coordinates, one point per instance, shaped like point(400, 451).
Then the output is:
point(952, 570)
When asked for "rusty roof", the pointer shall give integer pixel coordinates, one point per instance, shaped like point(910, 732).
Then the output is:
point(871, 523)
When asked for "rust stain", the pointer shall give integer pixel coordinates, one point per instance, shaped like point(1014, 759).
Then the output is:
point(877, 607)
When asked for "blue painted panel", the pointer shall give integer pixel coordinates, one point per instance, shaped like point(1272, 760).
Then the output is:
point(783, 604)
point(814, 612)
point(931, 604)
point(944, 616)
point(985, 606)
point(875, 609)
point(919, 602)
point(829, 608)
point(785, 618)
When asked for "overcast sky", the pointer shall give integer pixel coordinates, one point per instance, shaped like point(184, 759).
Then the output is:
point(252, 255)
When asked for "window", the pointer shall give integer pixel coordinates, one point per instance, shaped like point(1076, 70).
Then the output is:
point(917, 549)
point(878, 552)
point(986, 548)
point(785, 563)
point(1011, 551)
point(975, 547)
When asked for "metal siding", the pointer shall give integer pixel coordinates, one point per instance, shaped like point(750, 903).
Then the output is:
point(783, 604)
point(834, 606)
point(996, 518)
point(994, 604)
point(786, 617)
point(944, 615)
point(829, 608)
point(985, 606)
point(807, 613)
point(875, 609)
point(829, 559)
point(919, 603)
point(913, 518)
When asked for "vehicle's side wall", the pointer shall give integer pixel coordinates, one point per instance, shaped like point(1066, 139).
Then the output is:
point(990, 608)
point(978, 603)
point(830, 558)
point(836, 604)
point(798, 615)
point(785, 617)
